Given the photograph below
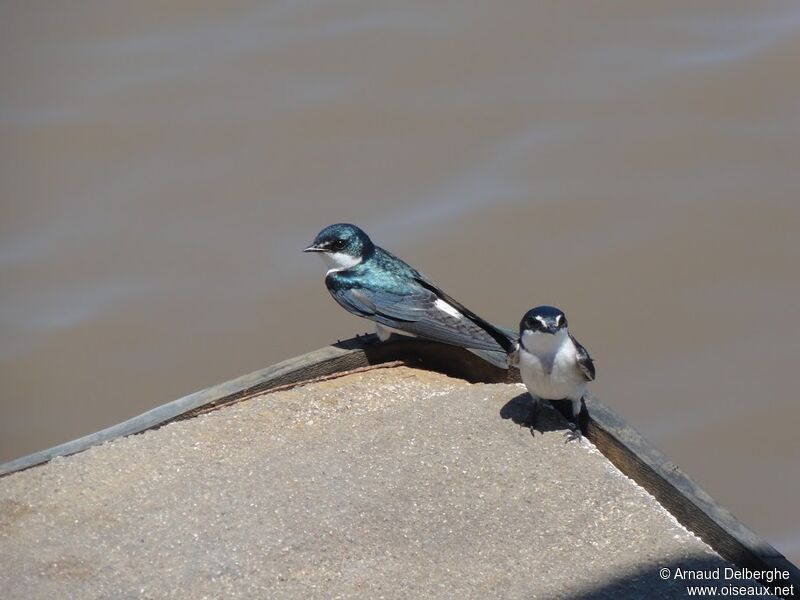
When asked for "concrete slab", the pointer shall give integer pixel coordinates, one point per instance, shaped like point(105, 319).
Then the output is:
point(392, 483)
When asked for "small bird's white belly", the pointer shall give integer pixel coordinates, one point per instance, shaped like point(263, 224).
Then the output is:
point(552, 376)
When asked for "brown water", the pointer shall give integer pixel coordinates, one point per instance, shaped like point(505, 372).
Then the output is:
point(162, 167)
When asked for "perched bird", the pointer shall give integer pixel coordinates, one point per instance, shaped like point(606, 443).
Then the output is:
point(552, 364)
point(370, 282)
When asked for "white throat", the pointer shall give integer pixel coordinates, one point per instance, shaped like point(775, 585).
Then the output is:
point(339, 261)
point(538, 342)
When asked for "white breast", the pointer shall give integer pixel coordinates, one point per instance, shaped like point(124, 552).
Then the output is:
point(548, 366)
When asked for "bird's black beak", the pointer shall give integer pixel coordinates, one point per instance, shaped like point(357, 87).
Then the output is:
point(544, 325)
point(555, 325)
point(313, 248)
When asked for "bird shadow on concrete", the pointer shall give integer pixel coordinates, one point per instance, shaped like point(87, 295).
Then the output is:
point(672, 577)
point(522, 411)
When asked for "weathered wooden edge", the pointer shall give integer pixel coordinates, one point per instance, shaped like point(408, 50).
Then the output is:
point(620, 443)
point(690, 504)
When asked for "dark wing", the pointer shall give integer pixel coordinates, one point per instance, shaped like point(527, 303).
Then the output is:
point(415, 312)
point(506, 339)
point(585, 362)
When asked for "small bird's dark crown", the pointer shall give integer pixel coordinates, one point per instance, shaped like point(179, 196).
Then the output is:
point(543, 318)
point(344, 238)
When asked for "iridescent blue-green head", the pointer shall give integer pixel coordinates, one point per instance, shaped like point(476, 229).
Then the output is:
point(342, 245)
point(543, 319)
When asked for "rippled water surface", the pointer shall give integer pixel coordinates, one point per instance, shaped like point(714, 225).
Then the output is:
point(637, 165)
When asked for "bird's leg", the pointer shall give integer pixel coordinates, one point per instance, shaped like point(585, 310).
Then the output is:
point(575, 432)
point(366, 339)
point(533, 415)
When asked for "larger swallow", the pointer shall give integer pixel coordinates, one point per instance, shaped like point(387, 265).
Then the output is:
point(370, 282)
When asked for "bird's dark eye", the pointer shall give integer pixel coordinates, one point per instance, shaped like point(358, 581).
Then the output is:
point(338, 244)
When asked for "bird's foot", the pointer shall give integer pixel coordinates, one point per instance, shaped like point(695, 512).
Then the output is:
point(573, 434)
point(367, 339)
point(579, 422)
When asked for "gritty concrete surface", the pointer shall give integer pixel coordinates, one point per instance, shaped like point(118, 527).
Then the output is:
point(393, 483)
